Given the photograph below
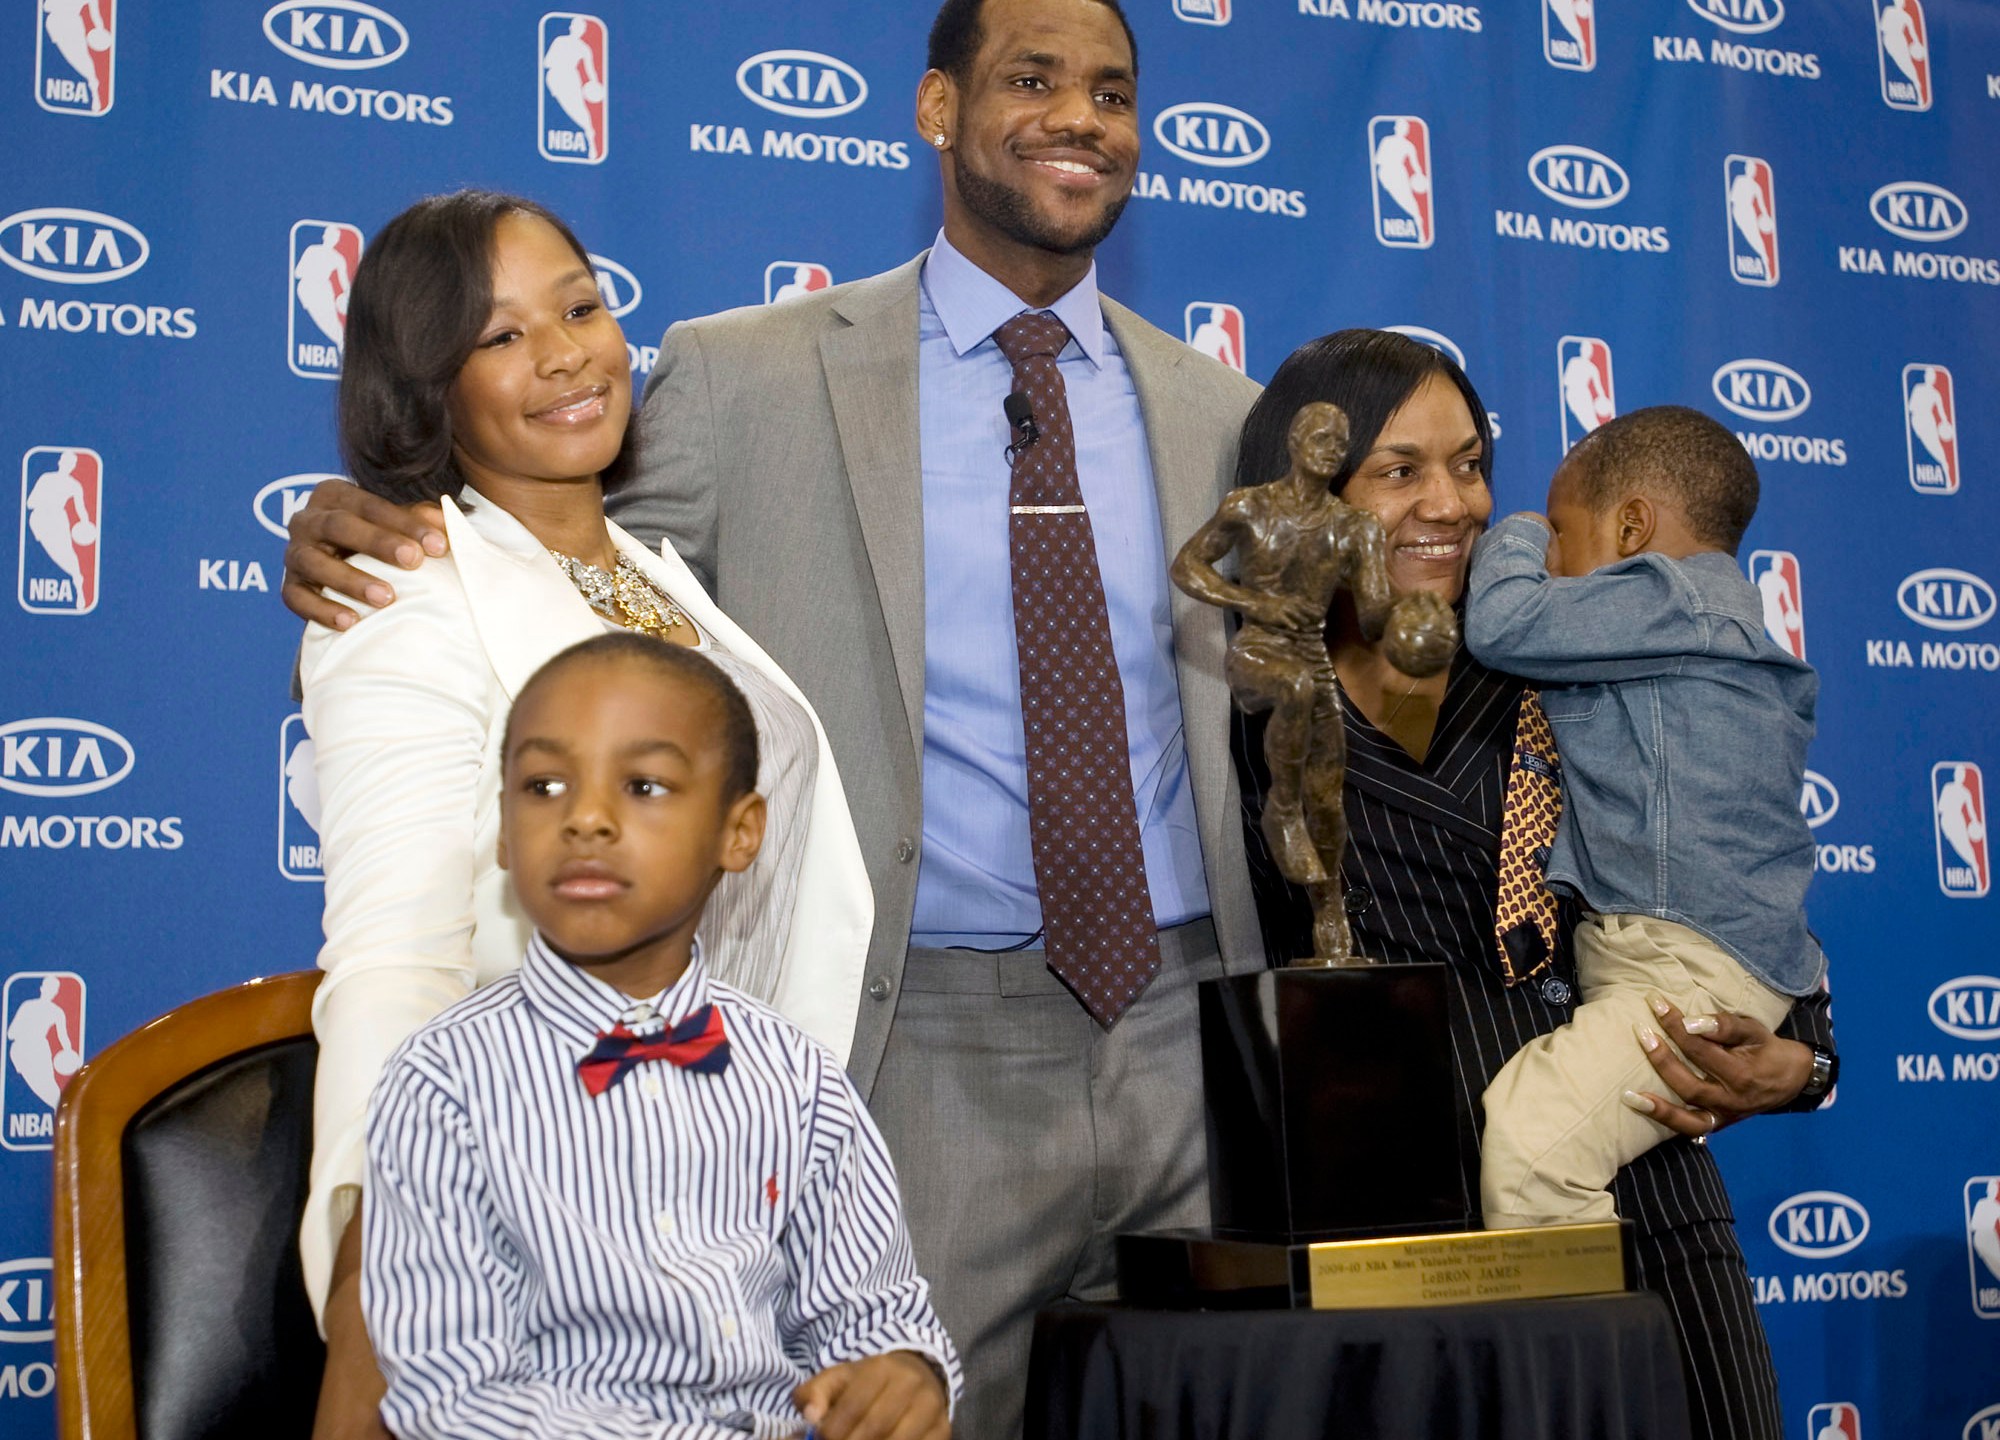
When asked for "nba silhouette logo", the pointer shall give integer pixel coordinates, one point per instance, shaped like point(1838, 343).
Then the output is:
point(76, 55)
point(574, 88)
point(324, 255)
point(44, 1029)
point(1775, 573)
point(1834, 1420)
point(1203, 12)
point(1216, 329)
point(1569, 34)
point(1930, 429)
point(789, 279)
point(1399, 153)
point(1903, 47)
point(1982, 1239)
point(1958, 803)
point(62, 520)
point(1750, 197)
point(1583, 379)
point(298, 803)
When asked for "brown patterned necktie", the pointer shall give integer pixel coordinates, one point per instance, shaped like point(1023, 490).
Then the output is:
point(1524, 920)
point(1097, 914)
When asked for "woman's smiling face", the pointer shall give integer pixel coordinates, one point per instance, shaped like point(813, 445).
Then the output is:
point(1422, 480)
point(547, 390)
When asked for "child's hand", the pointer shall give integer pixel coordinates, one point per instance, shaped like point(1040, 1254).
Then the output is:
point(897, 1396)
point(1552, 557)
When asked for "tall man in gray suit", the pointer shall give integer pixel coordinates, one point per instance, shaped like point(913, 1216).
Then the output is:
point(838, 467)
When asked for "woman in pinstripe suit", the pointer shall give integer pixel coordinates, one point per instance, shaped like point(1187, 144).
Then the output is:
point(1427, 764)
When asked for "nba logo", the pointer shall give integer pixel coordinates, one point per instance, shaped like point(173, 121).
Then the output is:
point(1203, 12)
point(324, 255)
point(1569, 34)
point(575, 73)
point(1958, 800)
point(1583, 376)
point(789, 279)
point(1775, 573)
point(1903, 45)
point(1216, 329)
point(62, 508)
point(1930, 429)
point(1835, 1420)
point(298, 803)
point(76, 54)
point(1982, 1238)
point(44, 1048)
point(1753, 220)
point(1399, 150)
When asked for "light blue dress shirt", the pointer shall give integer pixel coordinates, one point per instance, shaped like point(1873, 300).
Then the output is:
point(976, 885)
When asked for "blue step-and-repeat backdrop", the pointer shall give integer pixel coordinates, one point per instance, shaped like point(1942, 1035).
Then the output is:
point(1786, 212)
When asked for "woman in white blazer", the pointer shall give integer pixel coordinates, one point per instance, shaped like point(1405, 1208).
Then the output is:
point(483, 371)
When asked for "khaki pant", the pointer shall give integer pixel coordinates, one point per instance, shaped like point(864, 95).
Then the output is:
point(1556, 1130)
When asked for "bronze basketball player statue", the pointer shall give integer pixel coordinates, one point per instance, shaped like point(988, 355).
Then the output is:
point(1300, 546)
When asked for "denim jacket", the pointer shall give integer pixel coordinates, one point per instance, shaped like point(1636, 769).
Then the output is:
point(1682, 730)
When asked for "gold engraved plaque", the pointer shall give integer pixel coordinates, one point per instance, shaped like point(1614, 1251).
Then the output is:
point(1467, 1266)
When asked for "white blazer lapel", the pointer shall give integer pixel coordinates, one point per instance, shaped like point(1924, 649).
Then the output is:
point(819, 983)
point(524, 608)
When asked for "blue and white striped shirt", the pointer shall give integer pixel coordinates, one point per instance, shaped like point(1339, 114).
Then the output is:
point(668, 1259)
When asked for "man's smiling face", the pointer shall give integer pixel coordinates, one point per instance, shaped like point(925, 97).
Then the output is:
point(1044, 128)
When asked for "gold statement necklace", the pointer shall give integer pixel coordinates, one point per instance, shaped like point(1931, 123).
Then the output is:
point(623, 595)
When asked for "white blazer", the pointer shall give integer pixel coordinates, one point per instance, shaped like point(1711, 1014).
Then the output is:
point(406, 711)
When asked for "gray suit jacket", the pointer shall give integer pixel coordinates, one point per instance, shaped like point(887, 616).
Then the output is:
point(778, 454)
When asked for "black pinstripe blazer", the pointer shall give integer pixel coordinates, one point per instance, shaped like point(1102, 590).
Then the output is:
point(1421, 871)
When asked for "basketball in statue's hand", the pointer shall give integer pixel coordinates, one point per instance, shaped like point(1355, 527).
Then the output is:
point(1421, 636)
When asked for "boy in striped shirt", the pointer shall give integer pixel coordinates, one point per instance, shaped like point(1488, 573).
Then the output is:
point(607, 1195)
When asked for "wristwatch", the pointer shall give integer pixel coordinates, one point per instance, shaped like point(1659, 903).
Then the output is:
point(1825, 1075)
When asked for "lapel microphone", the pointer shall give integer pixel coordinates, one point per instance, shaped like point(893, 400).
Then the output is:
point(1021, 420)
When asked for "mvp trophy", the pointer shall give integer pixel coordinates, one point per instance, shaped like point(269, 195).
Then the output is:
point(1333, 1129)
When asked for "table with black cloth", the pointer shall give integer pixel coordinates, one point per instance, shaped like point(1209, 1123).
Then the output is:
point(1604, 1366)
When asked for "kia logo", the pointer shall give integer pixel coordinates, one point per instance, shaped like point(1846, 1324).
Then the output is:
point(71, 247)
point(57, 756)
point(1917, 210)
point(27, 1301)
point(279, 501)
point(1745, 17)
point(1440, 343)
point(1762, 390)
point(1946, 599)
point(1209, 134)
point(802, 82)
point(618, 286)
point(1983, 1426)
point(1819, 802)
point(1968, 1007)
point(1818, 1225)
point(336, 34)
point(1578, 177)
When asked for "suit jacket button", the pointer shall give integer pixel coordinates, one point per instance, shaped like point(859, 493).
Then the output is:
point(1556, 990)
point(906, 851)
point(878, 989)
point(1357, 900)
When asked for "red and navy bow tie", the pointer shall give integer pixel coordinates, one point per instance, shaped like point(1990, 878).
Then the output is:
point(696, 1043)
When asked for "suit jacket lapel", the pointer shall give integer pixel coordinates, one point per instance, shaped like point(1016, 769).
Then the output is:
point(871, 376)
point(1188, 491)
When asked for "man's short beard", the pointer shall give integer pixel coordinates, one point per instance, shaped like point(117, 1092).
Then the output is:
point(1009, 211)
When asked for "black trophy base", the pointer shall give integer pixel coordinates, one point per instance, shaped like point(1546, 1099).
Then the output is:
point(1330, 1103)
point(1208, 1270)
